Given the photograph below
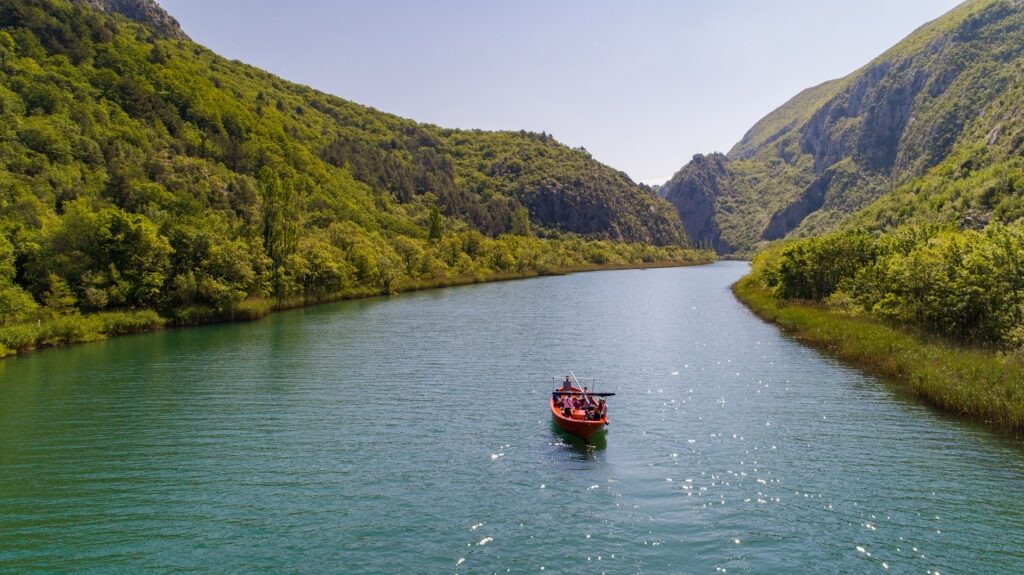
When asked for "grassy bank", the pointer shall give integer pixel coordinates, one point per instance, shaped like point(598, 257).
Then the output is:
point(976, 383)
point(81, 328)
point(76, 328)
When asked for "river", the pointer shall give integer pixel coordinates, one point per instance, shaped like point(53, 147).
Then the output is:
point(411, 434)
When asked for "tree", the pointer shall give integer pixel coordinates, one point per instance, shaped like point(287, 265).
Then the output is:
point(411, 253)
point(15, 304)
point(280, 225)
point(105, 249)
point(521, 222)
point(434, 223)
point(60, 298)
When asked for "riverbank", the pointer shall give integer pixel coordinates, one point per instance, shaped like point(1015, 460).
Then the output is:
point(984, 385)
point(83, 328)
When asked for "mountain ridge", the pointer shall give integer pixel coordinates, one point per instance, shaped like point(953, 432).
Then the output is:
point(837, 147)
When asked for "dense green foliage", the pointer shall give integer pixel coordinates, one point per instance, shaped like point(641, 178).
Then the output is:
point(981, 384)
point(968, 190)
point(944, 99)
point(813, 269)
point(140, 171)
point(967, 286)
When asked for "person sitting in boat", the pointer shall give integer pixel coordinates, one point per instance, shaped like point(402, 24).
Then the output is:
point(567, 406)
point(567, 385)
point(602, 409)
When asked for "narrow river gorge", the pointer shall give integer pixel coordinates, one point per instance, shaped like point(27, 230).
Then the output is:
point(411, 434)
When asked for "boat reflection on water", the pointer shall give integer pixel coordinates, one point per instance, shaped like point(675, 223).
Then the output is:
point(598, 441)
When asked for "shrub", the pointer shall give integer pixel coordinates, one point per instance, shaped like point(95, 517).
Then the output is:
point(812, 269)
point(252, 309)
point(122, 322)
point(967, 286)
point(19, 337)
point(196, 315)
point(70, 329)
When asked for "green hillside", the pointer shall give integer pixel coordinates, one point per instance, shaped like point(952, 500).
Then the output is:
point(914, 169)
point(140, 171)
point(939, 108)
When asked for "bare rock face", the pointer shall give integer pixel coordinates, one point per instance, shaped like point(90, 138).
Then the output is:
point(693, 192)
point(146, 12)
point(805, 204)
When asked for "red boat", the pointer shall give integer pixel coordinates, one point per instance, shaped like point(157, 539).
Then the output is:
point(576, 421)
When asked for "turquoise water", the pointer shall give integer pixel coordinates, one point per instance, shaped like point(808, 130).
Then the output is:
point(411, 435)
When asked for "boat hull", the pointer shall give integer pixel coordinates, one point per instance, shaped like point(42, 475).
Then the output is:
point(576, 425)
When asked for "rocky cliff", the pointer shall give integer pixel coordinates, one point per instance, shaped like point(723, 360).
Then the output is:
point(693, 192)
point(146, 12)
point(835, 148)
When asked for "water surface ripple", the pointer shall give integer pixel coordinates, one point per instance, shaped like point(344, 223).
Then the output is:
point(411, 435)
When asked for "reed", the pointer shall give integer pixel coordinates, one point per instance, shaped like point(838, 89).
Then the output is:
point(977, 383)
point(75, 328)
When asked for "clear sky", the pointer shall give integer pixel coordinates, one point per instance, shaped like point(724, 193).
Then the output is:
point(642, 84)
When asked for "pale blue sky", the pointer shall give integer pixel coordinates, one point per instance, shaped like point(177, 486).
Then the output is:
point(642, 84)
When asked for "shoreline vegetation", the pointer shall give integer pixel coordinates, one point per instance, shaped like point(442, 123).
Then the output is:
point(75, 327)
point(978, 383)
point(146, 181)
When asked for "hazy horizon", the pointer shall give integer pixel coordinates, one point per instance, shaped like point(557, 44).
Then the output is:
point(642, 86)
